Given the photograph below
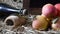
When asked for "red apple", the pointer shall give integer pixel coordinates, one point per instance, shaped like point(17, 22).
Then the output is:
point(56, 26)
point(57, 6)
point(49, 10)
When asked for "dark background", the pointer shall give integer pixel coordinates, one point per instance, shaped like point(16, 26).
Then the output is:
point(40, 3)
